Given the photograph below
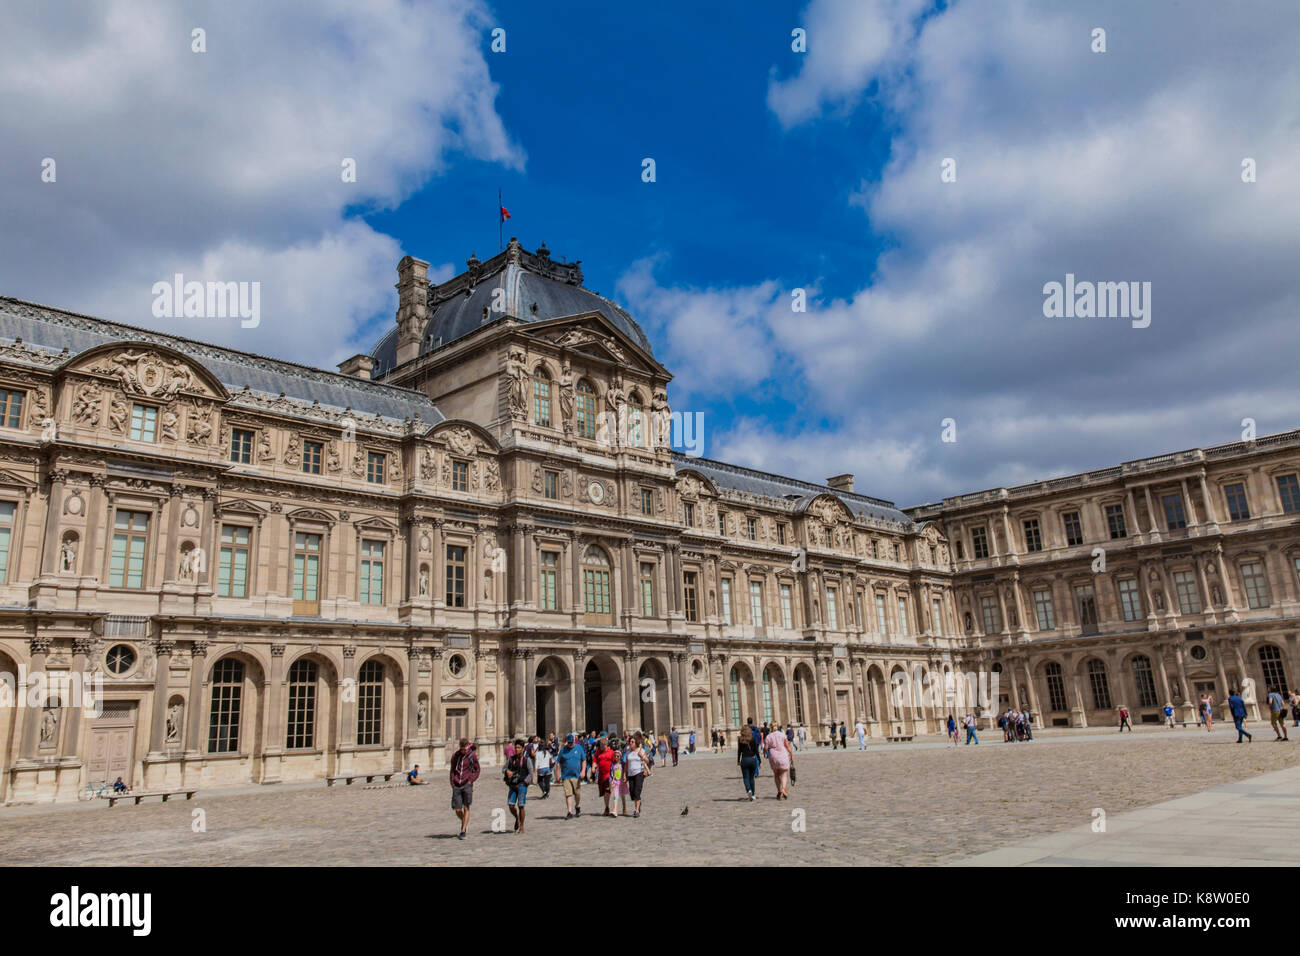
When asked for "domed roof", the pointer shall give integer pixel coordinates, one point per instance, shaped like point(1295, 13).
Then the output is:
point(533, 287)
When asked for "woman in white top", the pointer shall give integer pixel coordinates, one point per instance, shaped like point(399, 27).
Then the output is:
point(636, 766)
point(543, 760)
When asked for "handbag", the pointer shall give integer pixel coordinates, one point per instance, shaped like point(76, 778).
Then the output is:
point(793, 776)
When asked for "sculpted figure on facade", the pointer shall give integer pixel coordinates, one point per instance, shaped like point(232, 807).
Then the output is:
point(118, 413)
point(567, 398)
point(86, 404)
point(68, 556)
point(198, 425)
point(491, 475)
point(264, 452)
point(428, 465)
point(661, 425)
point(293, 451)
point(174, 723)
point(333, 461)
point(517, 383)
point(170, 429)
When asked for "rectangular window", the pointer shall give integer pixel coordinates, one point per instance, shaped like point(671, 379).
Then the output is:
point(787, 607)
point(1189, 596)
point(882, 626)
point(144, 422)
point(1073, 528)
point(551, 484)
point(1087, 603)
point(647, 590)
point(1253, 577)
point(726, 600)
point(1235, 495)
point(756, 603)
point(902, 616)
point(306, 567)
point(372, 572)
point(780, 534)
point(130, 544)
point(688, 513)
point(832, 613)
point(1288, 489)
point(690, 596)
point(376, 463)
point(1130, 600)
point(1174, 516)
point(857, 606)
point(1115, 521)
point(1033, 536)
point(595, 591)
point(1044, 610)
point(460, 476)
point(979, 540)
point(549, 571)
point(241, 446)
point(722, 523)
point(751, 529)
point(312, 453)
point(991, 614)
point(7, 510)
point(232, 565)
point(11, 408)
point(936, 616)
point(647, 501)
point(455, 575)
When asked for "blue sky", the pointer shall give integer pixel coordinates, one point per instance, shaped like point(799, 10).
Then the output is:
point(775, 171)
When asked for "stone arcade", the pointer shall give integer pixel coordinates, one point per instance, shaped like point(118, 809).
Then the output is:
point(280, 573)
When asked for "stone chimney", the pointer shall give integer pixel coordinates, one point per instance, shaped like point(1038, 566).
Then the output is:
point(841, 482)
point(359, 365)
point(412, 307)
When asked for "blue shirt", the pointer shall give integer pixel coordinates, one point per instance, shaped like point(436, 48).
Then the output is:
point(1237, 706)
point(571, 759)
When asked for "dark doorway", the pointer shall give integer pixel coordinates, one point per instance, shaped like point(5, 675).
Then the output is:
point(545, 708)
point(595, 693)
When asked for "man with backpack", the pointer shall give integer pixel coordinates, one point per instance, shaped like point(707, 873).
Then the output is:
point(464, 771)
point(1123, 720)
point(518, 774)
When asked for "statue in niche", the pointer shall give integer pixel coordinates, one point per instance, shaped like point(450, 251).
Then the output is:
point(174, 723)
point(424, 583)
point(1216, 595)
point(487, 714)
point(421, 716)
point(566, 398)
point(49, 725)
point(68, 556)
point(1159, 597)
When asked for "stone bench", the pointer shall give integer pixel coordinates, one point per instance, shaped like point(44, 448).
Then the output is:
point(899, 738)
point(369, 776)
point(137, 797)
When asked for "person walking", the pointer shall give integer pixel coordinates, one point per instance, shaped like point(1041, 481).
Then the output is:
point(1277, 713)
point(604, 758)
point(844, 735)
point(970, 730)
point(1237, 707)
point(1123, 720)
point(780, 760)
point(861, 731)
point(1209, 712)
point(952, 730)
point(714, 741)
point(674, 739)
point(690, 747)
point(636, 767)
point(1295, 707)
point(803, 738)
point(464, 771)
point(543, 759)
point(518, 774)
point(572, 760)
point(747, 758)
point(1169, 715)
point(663, 750)
point(833, 735)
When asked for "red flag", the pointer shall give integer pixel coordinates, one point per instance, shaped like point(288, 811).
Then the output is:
point(505, 213)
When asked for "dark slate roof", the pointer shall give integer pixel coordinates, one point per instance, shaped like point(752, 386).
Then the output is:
point(43, 327)
point(800, 493)
point(536, 290)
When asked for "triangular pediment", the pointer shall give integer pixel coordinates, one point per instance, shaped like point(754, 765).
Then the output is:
point(594, 336)
point(10, 480)
point(458, 696)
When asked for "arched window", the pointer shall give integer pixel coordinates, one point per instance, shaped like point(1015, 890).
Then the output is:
point(1146, 684)
point(541, 398)
point(370, 704)
point(1099, 684)
point(635, 420)
point(227, 697)
point(735, 697)
point(1270, 659)
point(1055, 686)
point(798, 700)
point(301, 731)
point(586, 410)
point(767, 694)
point(595, 582)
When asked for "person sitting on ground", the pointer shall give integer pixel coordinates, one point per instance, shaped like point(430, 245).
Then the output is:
point(413, 778)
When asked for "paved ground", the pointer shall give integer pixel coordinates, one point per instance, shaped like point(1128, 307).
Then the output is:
point(922, 803)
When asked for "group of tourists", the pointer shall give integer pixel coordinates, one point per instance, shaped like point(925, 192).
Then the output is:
point(968, 724)
point(1016, 725)
point(777, 744)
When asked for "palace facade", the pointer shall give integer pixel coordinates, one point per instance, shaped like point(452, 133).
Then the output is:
point(269, 572)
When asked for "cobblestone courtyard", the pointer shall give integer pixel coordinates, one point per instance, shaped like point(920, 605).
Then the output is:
point(905, 804)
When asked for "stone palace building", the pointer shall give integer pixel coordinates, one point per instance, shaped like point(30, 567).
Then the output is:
point(268, 572)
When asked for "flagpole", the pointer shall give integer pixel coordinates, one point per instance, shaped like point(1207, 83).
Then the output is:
point(501, 223)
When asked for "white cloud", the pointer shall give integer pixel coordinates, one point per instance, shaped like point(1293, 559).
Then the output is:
point(170, 160)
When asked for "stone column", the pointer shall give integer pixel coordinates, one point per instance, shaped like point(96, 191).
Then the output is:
point(31, 739)
point(81, 650)
point(530, 694)
point(348, 732)
point(1033, 693)
point(1224, 686)
point(158, 724)
point(276, 705)
point(1190, 705)
point(479, 729)
point(578, 697)
point(54, 508)
point(1151, 511)
point(1080, 712)
point(414, 653)
point(194, 704)
point(518, 716)
point(631, 695)
point(1243, 675)
point(1163, 675)
point(1191, 508)
point(787, 694)
point(438, 722)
